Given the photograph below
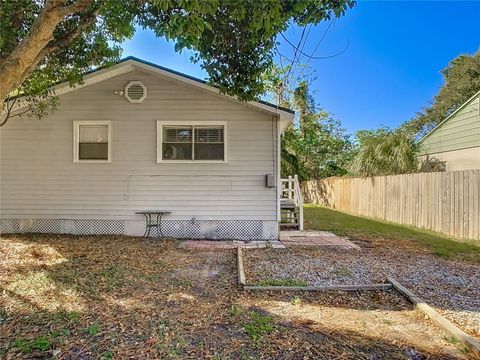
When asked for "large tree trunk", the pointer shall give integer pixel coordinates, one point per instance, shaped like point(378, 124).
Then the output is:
point(31, 50)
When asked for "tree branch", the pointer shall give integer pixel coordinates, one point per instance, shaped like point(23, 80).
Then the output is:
point(68, 39)
point(12, 116)
point(9, 111)
point(26, 56)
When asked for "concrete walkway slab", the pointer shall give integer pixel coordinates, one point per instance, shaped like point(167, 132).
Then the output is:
point(286, 239)
point(315, 238)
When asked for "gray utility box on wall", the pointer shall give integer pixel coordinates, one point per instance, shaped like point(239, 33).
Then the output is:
point(270, 180)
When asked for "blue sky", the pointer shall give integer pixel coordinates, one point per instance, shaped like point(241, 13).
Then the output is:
point(390, 69)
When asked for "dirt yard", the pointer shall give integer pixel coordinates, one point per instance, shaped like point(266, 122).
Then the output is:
point(120, 297)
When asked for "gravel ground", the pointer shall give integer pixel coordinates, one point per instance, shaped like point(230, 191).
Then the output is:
point(452, 287)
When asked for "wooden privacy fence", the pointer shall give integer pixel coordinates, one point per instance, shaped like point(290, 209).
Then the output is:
point(446, 202)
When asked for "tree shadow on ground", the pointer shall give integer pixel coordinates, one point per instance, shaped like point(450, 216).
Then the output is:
point(94, 297)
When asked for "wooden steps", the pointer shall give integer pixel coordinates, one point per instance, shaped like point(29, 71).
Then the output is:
point(290, 216)
point(289, 226)
point(291, 204)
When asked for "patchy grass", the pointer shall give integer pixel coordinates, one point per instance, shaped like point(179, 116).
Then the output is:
point(258, 326)
point(107, 355)
point(236, 311)
point(174, 348)
point(41, 343)
point(452, 339)
point(282, 282)
point(296, 300)
point(93, 329)
point(357, 227)
point(73, 316)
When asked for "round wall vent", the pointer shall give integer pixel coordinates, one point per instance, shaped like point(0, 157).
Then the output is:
point(135, 92)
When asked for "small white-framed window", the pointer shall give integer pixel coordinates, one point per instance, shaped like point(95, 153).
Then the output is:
point(187, 141)
point(92, 141)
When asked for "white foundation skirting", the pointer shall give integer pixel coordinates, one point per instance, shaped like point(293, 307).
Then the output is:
point(186, 229)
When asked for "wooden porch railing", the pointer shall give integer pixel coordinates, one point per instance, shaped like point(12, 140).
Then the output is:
point(291, 192)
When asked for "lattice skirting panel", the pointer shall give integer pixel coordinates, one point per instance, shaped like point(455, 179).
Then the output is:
point(183, 229)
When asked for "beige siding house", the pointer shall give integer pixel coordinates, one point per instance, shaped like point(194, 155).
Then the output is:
point(455, 142)
point(138, 137)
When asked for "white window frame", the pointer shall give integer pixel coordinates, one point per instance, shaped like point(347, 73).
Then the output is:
point(161, 123)
point(76, 139)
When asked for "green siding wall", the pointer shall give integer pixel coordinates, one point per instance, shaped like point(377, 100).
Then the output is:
point(459, 132)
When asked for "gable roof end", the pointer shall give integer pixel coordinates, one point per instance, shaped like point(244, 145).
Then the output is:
point(450, 116)
point(132, 63)
point(286, 115)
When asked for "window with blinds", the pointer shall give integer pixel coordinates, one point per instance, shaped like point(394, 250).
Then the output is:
point(177, 143)
point(209, 143)
point(193, 142)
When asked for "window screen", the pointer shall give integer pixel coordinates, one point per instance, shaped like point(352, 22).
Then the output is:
point(177, 143)
point(209, 143)
point(93, 142)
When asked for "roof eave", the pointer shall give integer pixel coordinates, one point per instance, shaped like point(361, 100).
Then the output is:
point(131, 63)
point(282, 112)
point(449, 117)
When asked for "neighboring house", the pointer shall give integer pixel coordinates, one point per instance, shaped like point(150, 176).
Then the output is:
point(455, 143)
point(137, 136)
